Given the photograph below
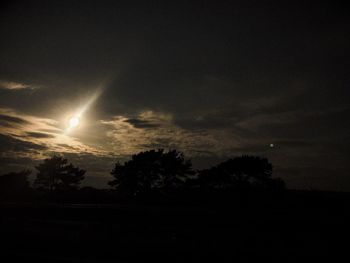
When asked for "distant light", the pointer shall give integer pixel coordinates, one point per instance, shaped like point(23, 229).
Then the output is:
point(74, 122)
point(272, 145)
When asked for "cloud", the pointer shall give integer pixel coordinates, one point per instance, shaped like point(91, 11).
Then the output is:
point(8, 120)
point(39, 135)
point(11, 85)
point(54, 131)
point(39, 131)
point(138, 123)
point(21, 123)
point(65, 146)
point(127, 139)
point(11, 144)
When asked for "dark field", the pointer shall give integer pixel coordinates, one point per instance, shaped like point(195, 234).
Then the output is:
point(298, 226)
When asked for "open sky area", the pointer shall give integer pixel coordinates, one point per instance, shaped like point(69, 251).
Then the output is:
point(98, 81)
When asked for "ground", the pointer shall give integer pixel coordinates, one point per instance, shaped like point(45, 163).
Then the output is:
point(298, 231)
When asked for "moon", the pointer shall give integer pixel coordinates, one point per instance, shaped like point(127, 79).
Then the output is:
point(73, 122)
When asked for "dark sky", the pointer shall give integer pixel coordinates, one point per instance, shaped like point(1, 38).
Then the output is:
point(214, 79)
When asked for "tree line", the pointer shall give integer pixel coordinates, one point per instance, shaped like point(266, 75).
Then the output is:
point(153, 170)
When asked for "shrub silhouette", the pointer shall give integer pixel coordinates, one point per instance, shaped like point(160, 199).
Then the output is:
point(154, 169)
point(240, 173)
point(56, 174)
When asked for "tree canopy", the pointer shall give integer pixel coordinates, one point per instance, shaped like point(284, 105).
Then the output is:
point(240, 173)
point(151, 169)
point(56, 174)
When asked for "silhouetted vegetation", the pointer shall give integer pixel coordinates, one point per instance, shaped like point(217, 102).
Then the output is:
point(151, 170)
point(170, 172)
point(56, 174)
point(155, 175)
point(240, 173)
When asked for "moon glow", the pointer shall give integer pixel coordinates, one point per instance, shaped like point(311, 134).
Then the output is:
point(73, 122)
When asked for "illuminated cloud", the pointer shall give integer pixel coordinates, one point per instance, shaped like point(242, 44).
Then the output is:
point(11, 85)
point(37, 138)
point(150, 130)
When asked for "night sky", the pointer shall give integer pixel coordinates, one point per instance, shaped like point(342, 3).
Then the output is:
point(213, 79)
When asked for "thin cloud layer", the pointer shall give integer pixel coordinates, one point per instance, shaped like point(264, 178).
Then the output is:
point(42, 135)
point(11, 85)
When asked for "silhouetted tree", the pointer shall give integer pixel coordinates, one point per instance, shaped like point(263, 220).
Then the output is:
point(14, 182)
point(240, 173)
point(56, 174)
point(175, 169)
point(151, 169)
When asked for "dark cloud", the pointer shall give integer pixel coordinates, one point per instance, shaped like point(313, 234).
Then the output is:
point(328, 124)
point(39, 135)
point(293, 143)
point(7, 120)
point(8, 143)
point(65, 145)
point(13, 164)
point(220, 121)
point(54, 131)
point(142, 124)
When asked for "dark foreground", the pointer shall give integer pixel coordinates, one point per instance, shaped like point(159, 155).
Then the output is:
point(299, 227)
